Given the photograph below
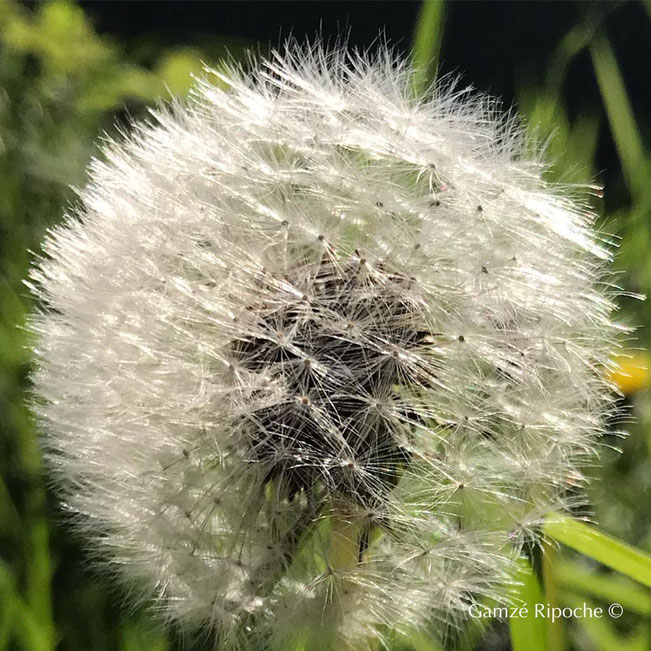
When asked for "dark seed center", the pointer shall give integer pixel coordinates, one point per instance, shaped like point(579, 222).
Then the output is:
point(340, 359)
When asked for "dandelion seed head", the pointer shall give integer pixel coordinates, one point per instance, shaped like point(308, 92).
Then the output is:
point(316, 357)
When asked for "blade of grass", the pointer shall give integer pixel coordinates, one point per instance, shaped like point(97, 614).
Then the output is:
point(7, 612)
point(604, 636)
point(620, 115)
point(582, 142)
point(528, 633)
point(28, 632)
point(426, 46)
point(607, 550)
point(555, 629)
point(609, 588)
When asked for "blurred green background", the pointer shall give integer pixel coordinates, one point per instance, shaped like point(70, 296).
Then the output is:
point(69, 73)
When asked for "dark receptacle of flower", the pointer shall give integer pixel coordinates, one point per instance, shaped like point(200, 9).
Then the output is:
point(336, 352)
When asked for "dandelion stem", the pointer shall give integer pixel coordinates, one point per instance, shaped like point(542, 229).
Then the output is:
point(347, 531)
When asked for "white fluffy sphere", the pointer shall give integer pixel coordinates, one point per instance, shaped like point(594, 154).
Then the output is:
point(317, 356)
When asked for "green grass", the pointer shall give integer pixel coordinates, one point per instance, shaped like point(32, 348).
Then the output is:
point(607, 550)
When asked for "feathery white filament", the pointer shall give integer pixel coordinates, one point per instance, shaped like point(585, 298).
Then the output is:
point(317, 357)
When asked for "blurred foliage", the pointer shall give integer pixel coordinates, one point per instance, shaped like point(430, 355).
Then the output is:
point(61, 87)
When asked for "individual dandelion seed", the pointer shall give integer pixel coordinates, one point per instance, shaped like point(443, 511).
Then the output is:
point(317, 356)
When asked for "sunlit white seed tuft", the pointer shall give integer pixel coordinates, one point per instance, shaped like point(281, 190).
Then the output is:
point(316, 357)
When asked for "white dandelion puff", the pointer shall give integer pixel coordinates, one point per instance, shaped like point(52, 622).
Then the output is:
point(317, 356)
